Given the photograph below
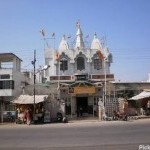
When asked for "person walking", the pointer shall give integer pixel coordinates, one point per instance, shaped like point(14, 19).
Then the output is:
point(29, 117)
point(81, 111)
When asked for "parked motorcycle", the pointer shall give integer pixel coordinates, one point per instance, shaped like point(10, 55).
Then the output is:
point(59, 117)
point(10, 117)
point(120, 116)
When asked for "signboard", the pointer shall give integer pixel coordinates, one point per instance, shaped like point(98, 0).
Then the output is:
point(84, 90)
point(81, 77)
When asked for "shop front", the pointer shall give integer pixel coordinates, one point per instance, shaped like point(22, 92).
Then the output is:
point(25, 109)
point(140, 103)
point(82, 100)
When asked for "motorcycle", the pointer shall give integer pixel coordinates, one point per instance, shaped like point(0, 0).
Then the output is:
point(10, 117)
point(59, 117)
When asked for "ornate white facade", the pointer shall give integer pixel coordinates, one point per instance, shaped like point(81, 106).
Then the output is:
point(80, 72)
point(78, 60)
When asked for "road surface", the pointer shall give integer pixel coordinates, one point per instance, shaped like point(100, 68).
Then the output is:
point(109, 135)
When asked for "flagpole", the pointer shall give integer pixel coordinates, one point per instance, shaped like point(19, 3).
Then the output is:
point(103, 59)
point(104, 82)
point(53, 38)
point(58, 83)
point(58, 78)
point(54, 43)
point(105, 44)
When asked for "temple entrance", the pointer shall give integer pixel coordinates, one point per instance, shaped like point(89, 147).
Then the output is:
point(82, 106)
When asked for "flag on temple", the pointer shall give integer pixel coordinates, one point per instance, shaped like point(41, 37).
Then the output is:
point(78, 24)
point(57, 56)
point(87, 36)
point(53, 34)
point(42, 32)
point(69, 37)
point(100, 55)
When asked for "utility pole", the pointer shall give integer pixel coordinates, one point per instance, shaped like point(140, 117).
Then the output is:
point(34, 77)
point(105, 81)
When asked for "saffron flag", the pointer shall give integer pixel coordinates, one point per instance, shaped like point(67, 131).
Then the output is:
point(100, 55)
point(57, 56)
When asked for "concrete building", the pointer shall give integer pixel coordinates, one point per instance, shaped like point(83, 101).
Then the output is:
point(11, 80)
point(81, 72)
point(124, 91)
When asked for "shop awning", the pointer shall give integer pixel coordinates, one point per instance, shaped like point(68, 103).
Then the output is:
point(28, 99)
point(144, 94)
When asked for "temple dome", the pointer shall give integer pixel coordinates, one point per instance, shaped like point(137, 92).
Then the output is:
point(63, 44)
point(96, 43)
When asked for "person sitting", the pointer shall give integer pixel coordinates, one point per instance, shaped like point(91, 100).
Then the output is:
point(116, 115)
point(24, 118)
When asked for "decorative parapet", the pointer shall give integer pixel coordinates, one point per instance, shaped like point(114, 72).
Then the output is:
point(109, 77)
point(52, 78)
point(94, 77)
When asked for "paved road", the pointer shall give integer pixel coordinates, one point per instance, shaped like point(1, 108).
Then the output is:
point(111, 135)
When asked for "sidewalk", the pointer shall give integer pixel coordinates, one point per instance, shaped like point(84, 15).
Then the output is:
point(143, 117)
point(96, 119)
point(83, 120)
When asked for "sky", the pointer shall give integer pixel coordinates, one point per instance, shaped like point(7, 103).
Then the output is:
point(124, 23)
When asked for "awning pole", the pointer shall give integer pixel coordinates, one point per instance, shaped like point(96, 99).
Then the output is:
point(71, 106)
point(93, 106)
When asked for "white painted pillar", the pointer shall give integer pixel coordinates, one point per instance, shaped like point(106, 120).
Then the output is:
point(99, 113)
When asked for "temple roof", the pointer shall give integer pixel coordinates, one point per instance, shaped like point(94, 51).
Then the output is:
point(96, 43)
point(63, 44)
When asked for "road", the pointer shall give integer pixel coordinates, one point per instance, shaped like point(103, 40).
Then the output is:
point(118, 135)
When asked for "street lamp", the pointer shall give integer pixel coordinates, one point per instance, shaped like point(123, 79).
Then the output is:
point(34, 77)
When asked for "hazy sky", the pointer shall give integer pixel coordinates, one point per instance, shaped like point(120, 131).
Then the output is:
point(125, 23)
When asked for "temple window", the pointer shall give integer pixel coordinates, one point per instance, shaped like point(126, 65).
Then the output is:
point(97, 63)
point(63, 65)
point(80, 63)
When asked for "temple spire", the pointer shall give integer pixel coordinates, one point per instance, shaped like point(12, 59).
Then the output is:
point(96, 43)
point(63, 44)
point(79, 37)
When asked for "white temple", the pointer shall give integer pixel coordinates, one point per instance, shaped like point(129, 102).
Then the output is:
point(78, 59)
point(81, 73)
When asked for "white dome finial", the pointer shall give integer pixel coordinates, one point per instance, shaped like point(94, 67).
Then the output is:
point(95, 35)
point(63, 44)
point(79, 39)
point(96, 43)
point(78, 24)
